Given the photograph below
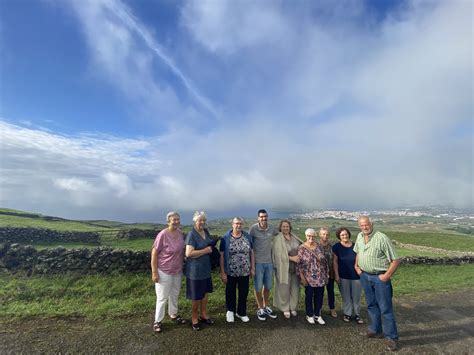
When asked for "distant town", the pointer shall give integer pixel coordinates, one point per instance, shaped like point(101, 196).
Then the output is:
point(452, 216)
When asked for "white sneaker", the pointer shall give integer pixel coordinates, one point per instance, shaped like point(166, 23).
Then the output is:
point(294, 313)
point(244, 319)
point(320, 320)
point(229, 317)
point(310, 319)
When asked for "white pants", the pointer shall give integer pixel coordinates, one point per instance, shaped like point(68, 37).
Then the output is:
point(167, 289)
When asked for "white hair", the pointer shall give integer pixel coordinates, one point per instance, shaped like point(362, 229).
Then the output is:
point(172, 214)
point(367, 218)
point(199, 215)
point(237, 219)
point(310, 231)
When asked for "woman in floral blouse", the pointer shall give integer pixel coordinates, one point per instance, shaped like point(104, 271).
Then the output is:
point(313, 272)
point(236, 267)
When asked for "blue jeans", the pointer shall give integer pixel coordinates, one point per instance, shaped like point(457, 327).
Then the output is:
point(263, 276)
point(378, 295)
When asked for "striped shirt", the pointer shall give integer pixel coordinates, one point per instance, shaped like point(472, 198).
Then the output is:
point(375, 256)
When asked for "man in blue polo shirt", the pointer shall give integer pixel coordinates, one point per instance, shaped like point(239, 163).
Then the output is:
point(262, 239)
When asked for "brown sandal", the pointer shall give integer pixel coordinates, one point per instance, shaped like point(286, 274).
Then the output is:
point(157, 327)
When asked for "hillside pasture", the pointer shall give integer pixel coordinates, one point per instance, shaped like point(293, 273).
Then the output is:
point(110, 296)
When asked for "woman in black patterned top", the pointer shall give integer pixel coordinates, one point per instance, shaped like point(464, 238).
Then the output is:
point(327, 248)
point(236, 267)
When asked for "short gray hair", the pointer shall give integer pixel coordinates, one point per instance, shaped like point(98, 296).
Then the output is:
point(367, 218)
point(237, 219)
point(199, 215)
point(172, 214)
point(310, 231)
point(324, 229)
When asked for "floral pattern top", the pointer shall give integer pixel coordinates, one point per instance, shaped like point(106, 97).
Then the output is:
point(313, 266)
point(239, 257)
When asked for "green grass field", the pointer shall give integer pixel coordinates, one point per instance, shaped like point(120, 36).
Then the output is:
point(457, 242)
point(60, 225)
point(135, 244)
point(15, 218)
point(109, 296)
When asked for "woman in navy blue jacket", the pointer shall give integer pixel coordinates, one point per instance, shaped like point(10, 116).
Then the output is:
point(236, 267)
point(198, 269)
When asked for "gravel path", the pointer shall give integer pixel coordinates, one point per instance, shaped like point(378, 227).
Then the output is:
point(440, 324)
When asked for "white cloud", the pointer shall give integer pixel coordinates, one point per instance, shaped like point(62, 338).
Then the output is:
point(125, 51)
point(317, 115)
point(73, 184)
point(119, 182)
point(228, 26)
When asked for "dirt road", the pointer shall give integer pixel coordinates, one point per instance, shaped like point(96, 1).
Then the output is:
point(440, 324)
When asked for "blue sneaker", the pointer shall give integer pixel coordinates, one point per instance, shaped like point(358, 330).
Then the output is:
point(261, 314)
point(269, 312)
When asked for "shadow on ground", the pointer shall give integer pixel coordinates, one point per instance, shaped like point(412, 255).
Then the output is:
point(440, 324)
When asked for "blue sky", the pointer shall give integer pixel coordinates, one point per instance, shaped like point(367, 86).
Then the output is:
point(127, 109)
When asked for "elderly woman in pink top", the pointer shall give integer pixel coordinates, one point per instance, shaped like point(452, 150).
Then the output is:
point(167, 257)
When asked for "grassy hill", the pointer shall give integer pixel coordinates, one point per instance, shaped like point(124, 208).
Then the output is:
point(15, 218)
point(416, 234)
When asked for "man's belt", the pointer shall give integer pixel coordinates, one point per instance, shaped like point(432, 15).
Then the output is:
point(375, 273)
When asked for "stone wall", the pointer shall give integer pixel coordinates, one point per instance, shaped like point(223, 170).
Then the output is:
point(21, 258)
point(137, 234)
point(17, 257)
point(40, 235)
point(450, 260)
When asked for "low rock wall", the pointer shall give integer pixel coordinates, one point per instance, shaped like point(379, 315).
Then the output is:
point(137, 234)
point(21, 258)
point(40, 235)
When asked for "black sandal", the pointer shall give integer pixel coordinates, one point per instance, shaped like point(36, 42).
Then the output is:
point(178, 319)
point(346, 318)
point(358, 320)
point(207, 321)
point(157, 327)
point(195, 326)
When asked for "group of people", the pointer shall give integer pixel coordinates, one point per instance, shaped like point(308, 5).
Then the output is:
point(266, 253)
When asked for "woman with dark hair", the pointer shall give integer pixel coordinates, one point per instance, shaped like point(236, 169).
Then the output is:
point(346, 276)
point(285, 257)
point(198, 269)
